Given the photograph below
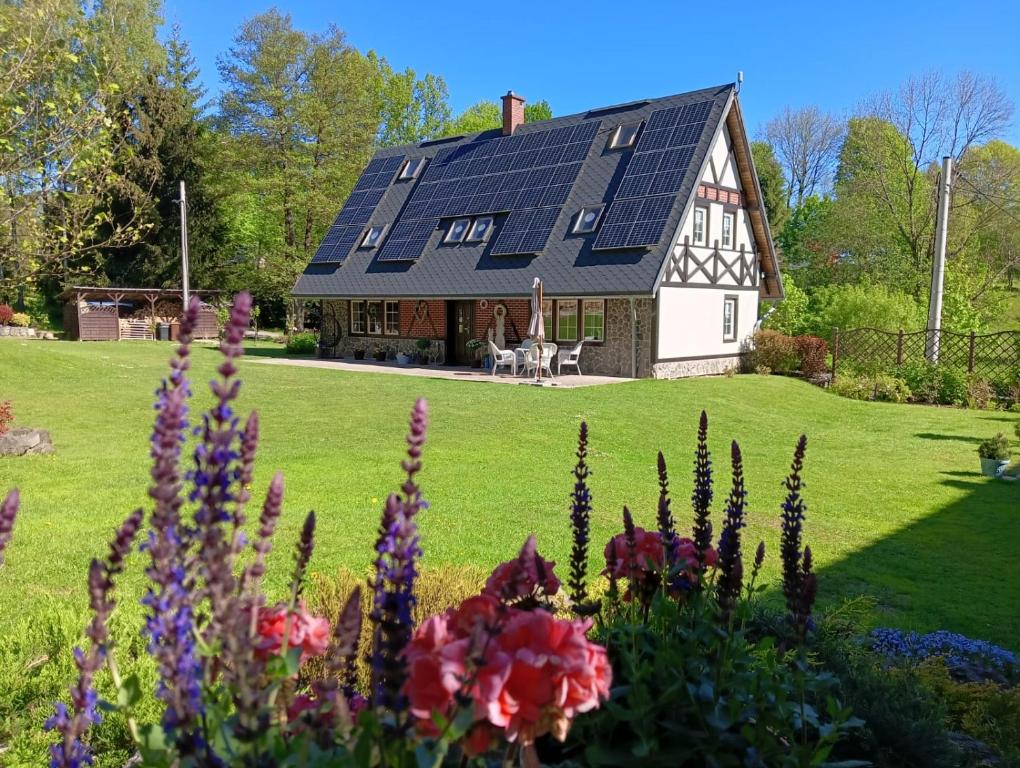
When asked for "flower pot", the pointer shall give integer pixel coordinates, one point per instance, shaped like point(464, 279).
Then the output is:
point(993, 467)
point(359, 354)
point(380, 357)
point(476, 363)
point(403, 359)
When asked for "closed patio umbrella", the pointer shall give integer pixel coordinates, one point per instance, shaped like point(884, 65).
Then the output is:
point(536, 327)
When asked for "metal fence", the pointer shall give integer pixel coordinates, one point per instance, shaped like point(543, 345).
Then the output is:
point(994, 356)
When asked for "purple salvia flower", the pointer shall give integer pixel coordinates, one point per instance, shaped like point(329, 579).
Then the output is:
point(246, 474)
point(808, 592)
point(72, 724)
point(701, 498)
point(664, 517)
point(580, 523)
point(8, 511)
point(271, 508)
point(613, 590)
point(170, 625)
point(630, 536)
point(730, 564)
point(398, 549)
point(790, 541)
point(341, 660)
point(305, 546)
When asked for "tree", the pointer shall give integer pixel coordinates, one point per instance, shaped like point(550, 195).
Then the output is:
point(488, 116)
point(806, 142)
point(59, 138)
point(773, 185)
point(414, 109)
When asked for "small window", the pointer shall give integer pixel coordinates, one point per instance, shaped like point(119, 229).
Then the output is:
point(727, 230)
point(373, 313)
point(357, 317)
point(700, 221)
point(392, 319)
point(373, 237)
point(412, 168)
point(729, 318)
point(587, 219)
point(480, 229)
point(566, 320)
point(624, 136)
point(458, 229)
point(594, 319)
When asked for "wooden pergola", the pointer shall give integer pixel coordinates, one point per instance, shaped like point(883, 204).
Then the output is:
point(104, 323)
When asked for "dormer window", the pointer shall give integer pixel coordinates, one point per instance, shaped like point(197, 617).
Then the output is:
point(480, 230)
point(412, 168)
point(624, 136)
point(373, 237)
point(588, 219)
point(458, 229)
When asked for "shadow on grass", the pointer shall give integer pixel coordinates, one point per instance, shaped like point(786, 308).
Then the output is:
point(955, 569)
point(952, 438)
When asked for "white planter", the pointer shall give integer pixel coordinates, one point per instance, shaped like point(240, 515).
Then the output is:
point(993, 467)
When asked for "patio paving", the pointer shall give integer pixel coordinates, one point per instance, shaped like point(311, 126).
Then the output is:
point(450, 372)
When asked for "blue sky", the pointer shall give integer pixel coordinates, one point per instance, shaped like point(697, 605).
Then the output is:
point(581, 55)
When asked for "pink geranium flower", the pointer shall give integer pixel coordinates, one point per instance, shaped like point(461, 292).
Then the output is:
point(307, 632)
point(527, 575)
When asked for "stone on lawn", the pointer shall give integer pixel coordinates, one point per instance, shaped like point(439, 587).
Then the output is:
point(23, 440)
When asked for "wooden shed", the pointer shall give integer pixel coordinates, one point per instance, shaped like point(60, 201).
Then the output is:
point(113, 314)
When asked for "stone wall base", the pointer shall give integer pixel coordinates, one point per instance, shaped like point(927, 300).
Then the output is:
point(685, 368)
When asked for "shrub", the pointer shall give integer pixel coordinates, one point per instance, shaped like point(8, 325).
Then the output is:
point(979, 393)
point(6, 313)
point(813, 352)
point(865, 306)
point(773, 350)
point(952, 388)
point(20, 320)
point(6, 416)
point(852, 387)
point(302, 343)
point(994, 448)
point(880, 387)
point(932, 383)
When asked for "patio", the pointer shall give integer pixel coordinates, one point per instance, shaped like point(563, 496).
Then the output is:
point(452, 373)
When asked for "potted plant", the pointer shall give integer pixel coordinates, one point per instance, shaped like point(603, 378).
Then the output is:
point(994, 453)
point(379, 353)
point(359, 353)
point(475, 347)
point(403, 358)
point(423, 345)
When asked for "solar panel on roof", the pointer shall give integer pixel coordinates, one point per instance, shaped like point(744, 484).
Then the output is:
point(647, 193)
point(525, 231)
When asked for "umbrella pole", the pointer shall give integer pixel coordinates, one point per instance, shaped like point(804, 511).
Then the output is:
point(541, 339)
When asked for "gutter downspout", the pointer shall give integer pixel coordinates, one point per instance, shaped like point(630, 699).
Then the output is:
point(633, 339)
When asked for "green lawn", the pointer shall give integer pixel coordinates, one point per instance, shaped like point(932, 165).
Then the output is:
point(896, 508)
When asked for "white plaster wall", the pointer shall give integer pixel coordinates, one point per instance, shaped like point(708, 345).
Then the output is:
point(691, 321)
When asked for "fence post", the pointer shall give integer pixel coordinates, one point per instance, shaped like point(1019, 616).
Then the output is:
point(899, 349)
point(835, 352)
point(970, 354)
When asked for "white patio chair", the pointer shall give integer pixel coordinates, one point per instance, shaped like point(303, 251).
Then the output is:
point(504, 357)
point(548, 353)
point(573, 357)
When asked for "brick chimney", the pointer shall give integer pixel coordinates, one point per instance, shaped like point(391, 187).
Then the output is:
point(513, 112)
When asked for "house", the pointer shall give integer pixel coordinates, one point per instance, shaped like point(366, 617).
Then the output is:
point(644, 221)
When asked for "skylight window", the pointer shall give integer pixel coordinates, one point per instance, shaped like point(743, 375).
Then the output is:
point(624, 136)
point(480, 230)
point(587, 219)
point(373, 237)
point(412, 168)
point(458, 229)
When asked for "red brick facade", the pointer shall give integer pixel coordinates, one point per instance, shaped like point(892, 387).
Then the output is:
point(709, 192)
point(515, 324)
point(424, 319)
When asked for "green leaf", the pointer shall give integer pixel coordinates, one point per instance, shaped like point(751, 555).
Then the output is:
point(130, 692)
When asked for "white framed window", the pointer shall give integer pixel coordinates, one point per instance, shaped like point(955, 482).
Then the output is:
point(566, 320)
point(412, 168)
point(547, 317)
point(373, 237)
point(727, 230)
point(700, 224)
point(594, 319)
point(374, 318)
point(357, 317)
point(458, 229)
point(588, 219)
point(391, 320)
point(624, 136)
point(480, 229)
point(729, 318)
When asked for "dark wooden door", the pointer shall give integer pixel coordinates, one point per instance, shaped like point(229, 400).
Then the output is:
point(460, 327)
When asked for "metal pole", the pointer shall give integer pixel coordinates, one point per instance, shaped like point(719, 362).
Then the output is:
point(633, 340)
point(184, 246)
point(938, 267)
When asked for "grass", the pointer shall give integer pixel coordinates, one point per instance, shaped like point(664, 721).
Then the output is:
point(897, 508)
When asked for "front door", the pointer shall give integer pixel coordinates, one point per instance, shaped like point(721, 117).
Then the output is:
point(459, 331)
